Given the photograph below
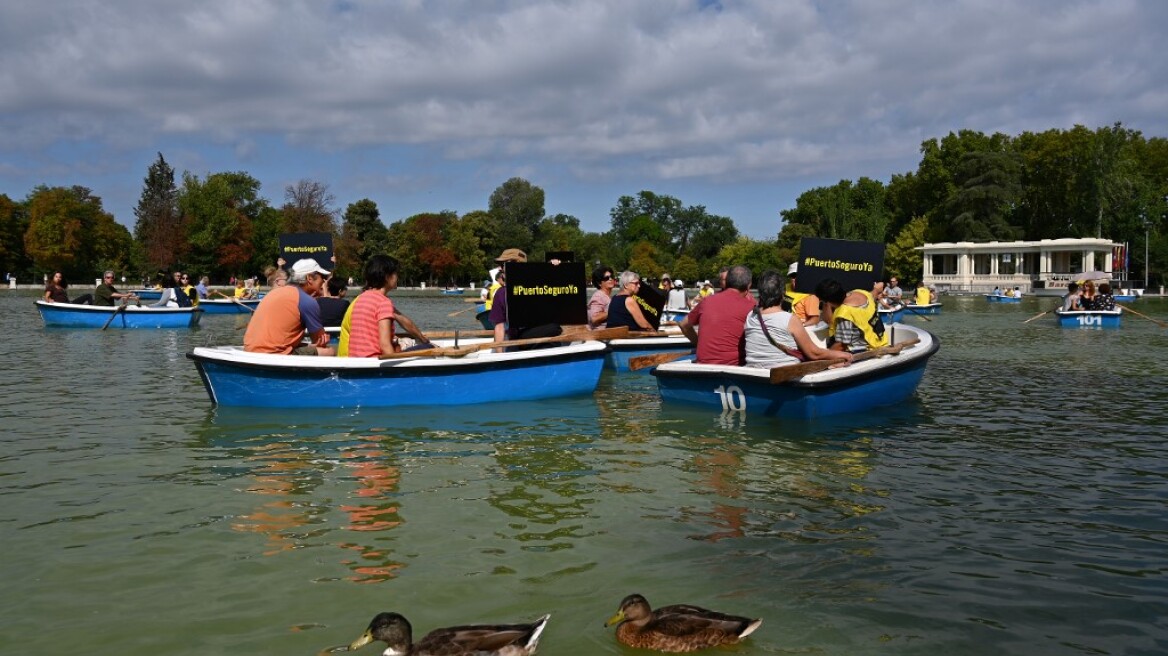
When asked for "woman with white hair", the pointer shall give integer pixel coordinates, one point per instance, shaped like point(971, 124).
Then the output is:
point(624, 310)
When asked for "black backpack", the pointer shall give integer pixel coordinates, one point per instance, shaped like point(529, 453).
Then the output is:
point(181, 298)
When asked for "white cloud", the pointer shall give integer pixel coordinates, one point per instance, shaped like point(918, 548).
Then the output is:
point(743, 91)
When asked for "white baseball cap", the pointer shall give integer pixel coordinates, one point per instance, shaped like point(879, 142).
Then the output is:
point(302, 268)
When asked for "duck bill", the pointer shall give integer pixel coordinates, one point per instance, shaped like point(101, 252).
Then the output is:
point(365, 639)
point(616, 619)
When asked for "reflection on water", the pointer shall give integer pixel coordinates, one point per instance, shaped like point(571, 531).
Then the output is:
point(1015, 505)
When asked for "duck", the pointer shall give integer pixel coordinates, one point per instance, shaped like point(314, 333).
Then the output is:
point(677, 628)
point(480, 639)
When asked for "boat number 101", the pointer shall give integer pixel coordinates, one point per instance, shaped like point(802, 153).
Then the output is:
point(1090, 320)
point(733, 399)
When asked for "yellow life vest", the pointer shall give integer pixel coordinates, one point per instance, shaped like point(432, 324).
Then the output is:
point(189, 290)
point(866, 318)
point(923, 295)
point(346, 328)
point(491, 296)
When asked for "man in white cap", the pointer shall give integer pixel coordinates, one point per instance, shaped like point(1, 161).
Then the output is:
point(288, 313)
point(804, 306)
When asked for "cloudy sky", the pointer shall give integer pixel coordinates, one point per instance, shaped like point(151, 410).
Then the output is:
point(739, 106)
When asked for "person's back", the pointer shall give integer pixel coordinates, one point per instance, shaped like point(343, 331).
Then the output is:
point(923, 295)
point(677, 300)
point(1071, 300)
point(277, 326)
point(720, 320)
point(332, 311)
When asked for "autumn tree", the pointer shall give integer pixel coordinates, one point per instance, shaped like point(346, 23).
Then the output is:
point(220, 214)
point(68, 230)
point(158, 228)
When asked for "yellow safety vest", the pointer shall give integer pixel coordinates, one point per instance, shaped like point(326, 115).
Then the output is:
point(866, 318)
point(491, 296)
point(923, 295)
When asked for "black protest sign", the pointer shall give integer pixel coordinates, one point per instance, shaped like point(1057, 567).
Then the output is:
point(651, 301)
point(303, 245)
point(539, 293)
point(853, 264)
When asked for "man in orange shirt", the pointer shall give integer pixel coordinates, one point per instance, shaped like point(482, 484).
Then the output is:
point(288, 313)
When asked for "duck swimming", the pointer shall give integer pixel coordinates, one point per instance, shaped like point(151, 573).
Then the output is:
point(478, 640)
point(677, 628)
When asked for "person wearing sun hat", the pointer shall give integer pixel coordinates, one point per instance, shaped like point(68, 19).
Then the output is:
point(498, 316)
point(286, 314)
point(803, 306)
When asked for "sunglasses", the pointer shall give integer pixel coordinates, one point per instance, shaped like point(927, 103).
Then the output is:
point(607, 278)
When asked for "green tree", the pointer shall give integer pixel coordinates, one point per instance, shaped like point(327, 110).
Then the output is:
point(68, 230)
point(988, 190)
point(158, 228)
point(901, 258)
point(759, 255)
point(13, 225)
point(362, 236)
point(518, 205)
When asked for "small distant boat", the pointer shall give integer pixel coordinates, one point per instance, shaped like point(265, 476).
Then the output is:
point(867, 384)
point(891, 315)
point(70, 315)
point(1088, 318)
point(1002, 298)
point(228, 305)
point(675, 315)
point(453, 291)
point(147, 294)
point(234, 377)
point(929, 308)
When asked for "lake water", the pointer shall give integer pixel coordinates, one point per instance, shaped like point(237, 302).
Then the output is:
point(1017, 505)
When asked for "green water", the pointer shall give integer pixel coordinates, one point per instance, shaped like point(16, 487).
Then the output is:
point(1015, 506)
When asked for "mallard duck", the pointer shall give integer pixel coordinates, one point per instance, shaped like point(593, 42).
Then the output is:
point(480, 639)
point(676, 628)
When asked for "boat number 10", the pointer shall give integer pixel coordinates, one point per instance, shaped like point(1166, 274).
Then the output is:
point(733, 399)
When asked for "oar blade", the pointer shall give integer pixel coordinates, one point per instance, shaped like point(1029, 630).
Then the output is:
point(642, 361)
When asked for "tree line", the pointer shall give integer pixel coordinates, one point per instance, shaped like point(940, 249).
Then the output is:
point(1109, 182)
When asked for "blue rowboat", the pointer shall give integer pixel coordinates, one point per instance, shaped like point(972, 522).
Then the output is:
point(621, 350)
point(859, 387)
point(456, 291)
point(1125, 298)
point(998, 298)
point(1088, 318)
point(891, 315)
point(234, 377)
point(133, 316)
point(228, 305)
point(930, 308)
point(675, 315)
point(147, 294)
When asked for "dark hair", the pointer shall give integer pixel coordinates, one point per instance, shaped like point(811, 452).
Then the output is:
point(598, 274)
point(738, 277)
point(378, 269)
point(64, 283)
point(830, 291)
point(336, 286)
point(1072, 287)
point(1104, 288)
point(771, 286)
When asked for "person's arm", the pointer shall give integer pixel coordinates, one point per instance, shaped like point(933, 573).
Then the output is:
point(638, 316)
point(408, 325)
point(688, 330)
point(385, 336)
point(811, 309)
point(48, 295)
point(808, 347)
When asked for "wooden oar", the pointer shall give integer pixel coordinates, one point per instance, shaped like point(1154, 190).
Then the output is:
point(236, 301)
point(642, 361)
point(1140, 314)
point(447, 334)
point(788, 372)
point(121, 308)
point(607, 333)
point(458, 312)
point(1040, 314)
